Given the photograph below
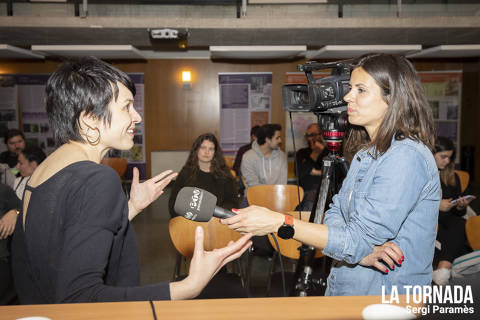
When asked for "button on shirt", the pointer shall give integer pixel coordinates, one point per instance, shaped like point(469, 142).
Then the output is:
point(392, 197)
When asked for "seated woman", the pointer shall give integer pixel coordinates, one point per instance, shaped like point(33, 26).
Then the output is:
point(73, 241)
point(206, 169)
point(28, 160)
point(451, 225)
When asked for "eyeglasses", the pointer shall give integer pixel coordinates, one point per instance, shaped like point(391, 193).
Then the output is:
point(312, 135)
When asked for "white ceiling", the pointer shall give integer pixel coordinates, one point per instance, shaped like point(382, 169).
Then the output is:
point(12, 52)
point(257, 52)
point(99, 51)
point(351, 51)
point(449, 51)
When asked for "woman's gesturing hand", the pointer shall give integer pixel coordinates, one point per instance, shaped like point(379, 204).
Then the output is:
point(388, 252)
point(205, 264)
point(142, 194)
point(256, 220)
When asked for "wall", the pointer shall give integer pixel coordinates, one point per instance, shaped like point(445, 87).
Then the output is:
point(175, 116)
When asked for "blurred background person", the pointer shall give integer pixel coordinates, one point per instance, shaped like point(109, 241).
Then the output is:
point(238, 157)
point(309, 162)
point(28, 161)
point(15, 142)
point(206, 169)
point(451, 224)
point(9, 206)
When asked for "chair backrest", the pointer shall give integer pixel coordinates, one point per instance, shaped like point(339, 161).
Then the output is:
point(289, 248)
point(276, 197)
point(117, 164)
point(228, 161)
point(464, 178)
point(182, 233)
point(472, 229)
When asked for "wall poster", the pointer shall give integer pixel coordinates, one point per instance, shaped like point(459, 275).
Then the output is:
point(245, 101)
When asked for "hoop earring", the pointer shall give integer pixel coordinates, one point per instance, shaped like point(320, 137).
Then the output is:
point(96, 141)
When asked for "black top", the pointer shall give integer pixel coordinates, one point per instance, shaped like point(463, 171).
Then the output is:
point(225, 189)
point(237, 164)
point(452, 192)
point(10, 158)
point(78, 245)
point(305, 163)
point(8, 201)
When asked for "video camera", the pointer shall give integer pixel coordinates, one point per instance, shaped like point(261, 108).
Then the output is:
point(324, 95)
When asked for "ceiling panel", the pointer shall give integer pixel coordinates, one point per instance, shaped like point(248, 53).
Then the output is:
point(11, 52)
point(257, 52)
point(99, 51)
point(449, 51)
point(352, 51)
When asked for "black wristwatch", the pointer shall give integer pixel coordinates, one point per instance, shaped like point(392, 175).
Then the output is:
point(286, 230)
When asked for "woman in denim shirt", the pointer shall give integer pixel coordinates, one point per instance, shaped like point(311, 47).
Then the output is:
point(391, 195)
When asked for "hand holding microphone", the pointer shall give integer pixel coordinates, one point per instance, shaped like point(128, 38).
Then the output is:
point(199, 205)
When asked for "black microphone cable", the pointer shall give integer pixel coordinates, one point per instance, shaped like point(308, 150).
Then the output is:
point(282, 270)
point(153, 310)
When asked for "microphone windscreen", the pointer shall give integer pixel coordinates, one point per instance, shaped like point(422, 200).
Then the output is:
point(195, 204)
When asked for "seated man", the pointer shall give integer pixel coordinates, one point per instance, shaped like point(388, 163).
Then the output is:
point(15, 141)
point(28, 161)
point(265, 163)
point(309, 161)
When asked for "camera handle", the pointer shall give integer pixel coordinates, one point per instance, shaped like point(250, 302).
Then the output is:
point(334, 169)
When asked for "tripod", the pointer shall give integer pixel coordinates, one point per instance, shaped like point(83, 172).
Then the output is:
point(334, 169)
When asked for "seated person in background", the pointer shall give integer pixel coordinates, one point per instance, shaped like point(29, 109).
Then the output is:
point(73, 241)
point(9, 204)
point(309, 161)
point(265, 163)
point(241, 151)
point(451, 224)
point(206, 169)
point(15, 141)
point(28, 161)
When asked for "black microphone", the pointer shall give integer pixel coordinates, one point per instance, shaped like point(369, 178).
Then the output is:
point(199, 205)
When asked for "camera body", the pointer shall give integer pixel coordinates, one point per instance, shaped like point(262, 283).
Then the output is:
point(320, 95)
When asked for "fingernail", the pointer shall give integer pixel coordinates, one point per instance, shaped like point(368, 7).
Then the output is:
point(386, 270)
point(393, 268)
point(400, 261)
point(403, 258)
point(235, 210)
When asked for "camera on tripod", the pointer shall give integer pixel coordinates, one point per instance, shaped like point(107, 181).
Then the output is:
point(319, 95)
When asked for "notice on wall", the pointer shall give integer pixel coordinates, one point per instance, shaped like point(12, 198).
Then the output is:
point(245, 101)
point(8, 106)
point(443, 91)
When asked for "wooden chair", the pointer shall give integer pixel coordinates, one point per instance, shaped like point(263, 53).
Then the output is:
point(464, 179)
point(229, 161)
point(472, 229)
point(217, 235)
point(276, 197)
point(117, 164)
point(279, 198)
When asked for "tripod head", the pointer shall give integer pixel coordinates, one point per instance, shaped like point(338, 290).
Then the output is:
point(333, 126)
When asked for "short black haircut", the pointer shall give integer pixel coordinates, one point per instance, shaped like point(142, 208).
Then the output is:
point(86, 84)
point(12, 133)
point(267, 131)
point(34, 153)
point(254, 130)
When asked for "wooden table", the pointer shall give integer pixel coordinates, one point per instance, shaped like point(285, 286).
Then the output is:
point(221, 309)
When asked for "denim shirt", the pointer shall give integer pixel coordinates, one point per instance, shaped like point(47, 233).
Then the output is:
point(393, 197)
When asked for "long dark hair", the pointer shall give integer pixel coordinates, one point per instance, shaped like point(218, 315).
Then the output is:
point(408, 115)
point(447, 175)
point(218, 167)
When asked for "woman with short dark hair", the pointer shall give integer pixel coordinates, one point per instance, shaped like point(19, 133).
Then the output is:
point(73, 241)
